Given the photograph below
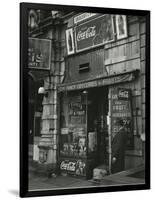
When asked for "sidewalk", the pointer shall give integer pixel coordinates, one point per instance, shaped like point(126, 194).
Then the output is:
point(60, 182)
point(57, 182)
point(40, 182)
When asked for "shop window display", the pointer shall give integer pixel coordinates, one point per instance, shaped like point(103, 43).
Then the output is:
point(73, 126)
point(83, 131)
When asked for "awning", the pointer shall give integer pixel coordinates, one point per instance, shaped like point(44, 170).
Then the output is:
point(99, 82)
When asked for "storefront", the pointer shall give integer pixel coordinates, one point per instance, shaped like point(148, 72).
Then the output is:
point(82, 114)
point(88, 115)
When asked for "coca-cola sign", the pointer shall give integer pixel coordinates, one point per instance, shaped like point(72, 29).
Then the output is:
point(95, 32)
point(123, 93)
point(77, 167)
point(90, 32)
point(69, 166)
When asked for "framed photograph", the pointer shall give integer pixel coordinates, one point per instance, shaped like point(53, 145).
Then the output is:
point(84, 99)
point(121, 26)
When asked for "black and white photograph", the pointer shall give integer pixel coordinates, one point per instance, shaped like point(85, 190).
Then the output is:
point(84, 89)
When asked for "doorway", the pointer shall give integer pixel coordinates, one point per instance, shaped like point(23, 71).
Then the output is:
point(97, 121)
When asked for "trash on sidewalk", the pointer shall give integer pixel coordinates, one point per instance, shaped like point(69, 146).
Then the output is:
point(99, 172)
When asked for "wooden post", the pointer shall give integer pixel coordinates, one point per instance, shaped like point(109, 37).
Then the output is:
point(86, 127)
point(109, 131)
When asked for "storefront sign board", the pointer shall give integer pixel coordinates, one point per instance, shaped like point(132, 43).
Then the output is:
point(83, 16)
point(98, 82)
point(95, 32)
point(39, 54)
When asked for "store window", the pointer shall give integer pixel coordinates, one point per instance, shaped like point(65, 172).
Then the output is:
point(83, 123)
point(73, 125)
point(83, 131)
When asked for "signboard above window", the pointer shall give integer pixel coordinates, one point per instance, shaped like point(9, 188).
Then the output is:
point(39, 54)
point(95, 32)
point(83, 16)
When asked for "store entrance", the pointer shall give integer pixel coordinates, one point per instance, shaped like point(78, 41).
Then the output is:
point(97, 121)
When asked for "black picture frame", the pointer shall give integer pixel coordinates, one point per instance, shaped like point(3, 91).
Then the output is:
point(24, 192)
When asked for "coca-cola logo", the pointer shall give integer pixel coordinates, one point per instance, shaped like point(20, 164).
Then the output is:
point(123, 94)
point(69, 166)
point(90, 32)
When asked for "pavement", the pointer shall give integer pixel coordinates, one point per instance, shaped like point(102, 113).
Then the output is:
point(58, 182)
point(37, 181)
point(40, 181)
point(68, 182)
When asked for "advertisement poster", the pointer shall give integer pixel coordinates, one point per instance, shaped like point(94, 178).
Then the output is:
point(77, 167)
point(39, 54)
point(70, 41)
point(121, 26)
point(94, 33)
point(121, 110)
point(77, 111)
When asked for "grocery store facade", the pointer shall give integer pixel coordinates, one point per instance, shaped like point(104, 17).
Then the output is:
point(91, 72)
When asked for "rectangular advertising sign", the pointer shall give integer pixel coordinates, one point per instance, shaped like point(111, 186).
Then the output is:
point(39, 54)
point(121, 109)
point(95, 32)
point(77, 167)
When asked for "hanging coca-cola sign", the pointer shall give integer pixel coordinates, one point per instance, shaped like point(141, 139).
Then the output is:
point(95, 32)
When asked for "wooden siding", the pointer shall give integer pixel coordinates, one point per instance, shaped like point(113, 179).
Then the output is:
point(117, 57)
